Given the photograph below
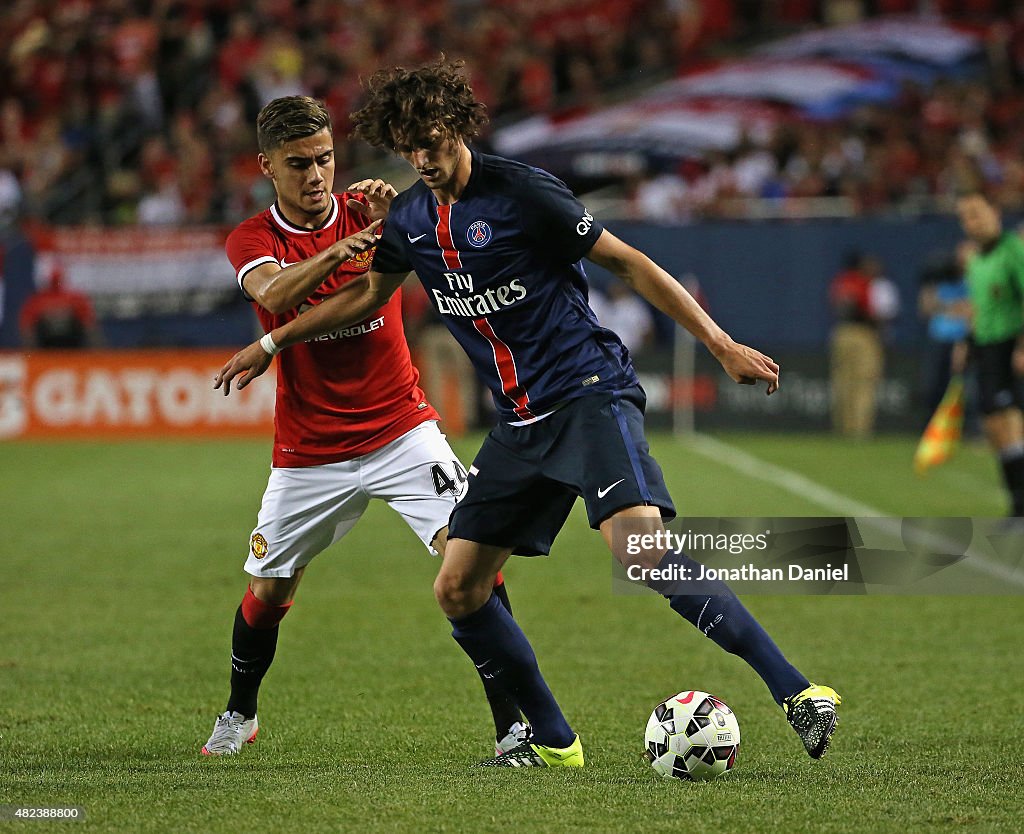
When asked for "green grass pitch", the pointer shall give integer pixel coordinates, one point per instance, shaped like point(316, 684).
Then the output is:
point(122, 570)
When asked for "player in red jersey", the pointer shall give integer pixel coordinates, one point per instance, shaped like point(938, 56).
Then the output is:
point(350, 421)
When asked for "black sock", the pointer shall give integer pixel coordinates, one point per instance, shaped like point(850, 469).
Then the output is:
point(252, 652)
point(1013, 476)
point(503, 709)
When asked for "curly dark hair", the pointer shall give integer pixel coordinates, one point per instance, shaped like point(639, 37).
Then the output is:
point(403, 106)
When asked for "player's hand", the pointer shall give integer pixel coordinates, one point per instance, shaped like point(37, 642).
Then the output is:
point(746, 365)
point(359, 242)
point(247, 364)
point(379, 195)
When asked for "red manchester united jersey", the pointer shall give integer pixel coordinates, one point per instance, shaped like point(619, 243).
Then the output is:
point(345, 394)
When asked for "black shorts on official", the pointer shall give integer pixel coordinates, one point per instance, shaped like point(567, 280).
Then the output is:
point(998, 386)
point(525, 479)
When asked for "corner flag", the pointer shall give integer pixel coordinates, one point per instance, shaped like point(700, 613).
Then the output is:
point(944, 429)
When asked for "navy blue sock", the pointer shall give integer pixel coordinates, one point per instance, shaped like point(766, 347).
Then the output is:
point(501, 652)
point(714, 609)
point(504, 710)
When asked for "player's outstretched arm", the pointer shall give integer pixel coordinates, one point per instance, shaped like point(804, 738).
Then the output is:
point(350, 305)
point(278, 289)
point(743, 364)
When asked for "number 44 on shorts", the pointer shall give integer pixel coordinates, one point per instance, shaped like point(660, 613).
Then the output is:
point(445, 481)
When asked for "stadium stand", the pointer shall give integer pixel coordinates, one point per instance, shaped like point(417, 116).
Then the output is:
point(122, 112)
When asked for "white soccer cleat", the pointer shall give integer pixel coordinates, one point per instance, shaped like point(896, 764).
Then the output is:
point(518, 733)
point(231, 731)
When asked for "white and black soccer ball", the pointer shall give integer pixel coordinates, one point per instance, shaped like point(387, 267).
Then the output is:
point(692, 736)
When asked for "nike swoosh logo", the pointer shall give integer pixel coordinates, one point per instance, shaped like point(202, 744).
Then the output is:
point(601, 493)
point(487, 675)
point(285, 264)
point(414, 239)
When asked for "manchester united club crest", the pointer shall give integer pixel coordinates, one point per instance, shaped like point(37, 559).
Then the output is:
point(259, 546)
point(479, 233)
point(362, 260)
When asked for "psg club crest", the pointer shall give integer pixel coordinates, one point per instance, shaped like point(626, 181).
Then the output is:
point(479, 233)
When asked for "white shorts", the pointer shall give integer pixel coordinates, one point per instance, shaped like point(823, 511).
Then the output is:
point(305, 510)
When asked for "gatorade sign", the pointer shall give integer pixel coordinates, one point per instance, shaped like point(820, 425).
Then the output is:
point(115, 394)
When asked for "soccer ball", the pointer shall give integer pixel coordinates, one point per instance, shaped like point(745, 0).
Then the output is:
point(692, 736)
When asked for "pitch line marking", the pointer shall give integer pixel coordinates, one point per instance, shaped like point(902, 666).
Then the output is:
point(835, 502)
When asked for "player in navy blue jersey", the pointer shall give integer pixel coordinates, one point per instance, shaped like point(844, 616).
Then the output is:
point(499, 247)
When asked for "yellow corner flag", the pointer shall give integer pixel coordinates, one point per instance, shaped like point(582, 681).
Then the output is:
point(944, 429)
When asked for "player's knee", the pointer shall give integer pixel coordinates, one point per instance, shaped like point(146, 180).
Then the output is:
point(448, 593)
point(635, 537)
point(629, 555)
point(646, 559)
point(275, 590)
point(457, 596)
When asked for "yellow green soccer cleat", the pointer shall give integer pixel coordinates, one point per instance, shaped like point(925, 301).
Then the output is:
point(528, 754)
point(812, 713)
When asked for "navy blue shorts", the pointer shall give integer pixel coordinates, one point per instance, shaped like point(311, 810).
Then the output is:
point(525, 479)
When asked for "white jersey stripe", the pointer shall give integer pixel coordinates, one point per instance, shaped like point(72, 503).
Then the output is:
point(249, 267)
point(296, 230)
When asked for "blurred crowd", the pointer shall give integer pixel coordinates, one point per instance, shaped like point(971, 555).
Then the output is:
point(914, 156)
point(135, 111)
point(142, 111)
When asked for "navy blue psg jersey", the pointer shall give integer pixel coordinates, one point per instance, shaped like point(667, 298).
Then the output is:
point(502, 266)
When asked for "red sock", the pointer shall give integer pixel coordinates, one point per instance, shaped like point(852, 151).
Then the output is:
point(260, 614)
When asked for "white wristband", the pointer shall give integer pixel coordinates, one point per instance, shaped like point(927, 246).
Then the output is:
point(268, 345)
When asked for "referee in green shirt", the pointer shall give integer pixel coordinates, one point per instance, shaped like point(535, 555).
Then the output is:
point(995, 283)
